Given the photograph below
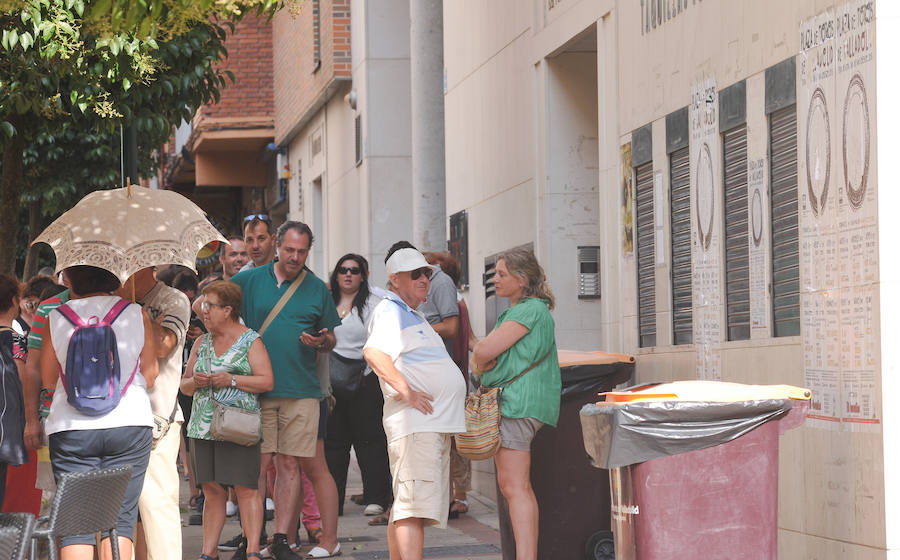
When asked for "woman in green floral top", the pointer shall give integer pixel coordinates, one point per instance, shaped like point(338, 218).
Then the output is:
point(232, 361)
point(522, 341)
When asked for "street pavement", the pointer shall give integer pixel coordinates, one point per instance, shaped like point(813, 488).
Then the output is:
point(474, 535)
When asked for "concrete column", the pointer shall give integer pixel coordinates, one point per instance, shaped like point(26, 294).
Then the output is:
point(426, 42)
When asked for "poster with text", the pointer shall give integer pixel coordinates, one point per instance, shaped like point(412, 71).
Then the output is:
point(838, 217)
point(706, 220)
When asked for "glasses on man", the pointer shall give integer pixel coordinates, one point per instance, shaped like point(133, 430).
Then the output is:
point(415, 274)
point(205, 305)
point(354, 270)
point(260, 217)
point(31, 305)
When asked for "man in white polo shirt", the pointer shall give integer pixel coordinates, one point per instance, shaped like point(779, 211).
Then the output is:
point(424, 401)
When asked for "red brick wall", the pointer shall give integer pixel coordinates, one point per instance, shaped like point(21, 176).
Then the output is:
point(250, 59)
point(298, 83)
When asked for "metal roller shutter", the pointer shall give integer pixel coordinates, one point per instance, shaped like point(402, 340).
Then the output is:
point(645, 255)
point(737, 246)
point(682, 304)
point(785, 233)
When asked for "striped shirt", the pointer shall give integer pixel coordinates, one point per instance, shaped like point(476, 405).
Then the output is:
point(419, 354)
point(35, 338)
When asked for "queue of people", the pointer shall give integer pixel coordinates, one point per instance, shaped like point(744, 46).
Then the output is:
point(325, 367)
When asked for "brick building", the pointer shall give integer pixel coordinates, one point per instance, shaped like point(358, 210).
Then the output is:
point(221, 159)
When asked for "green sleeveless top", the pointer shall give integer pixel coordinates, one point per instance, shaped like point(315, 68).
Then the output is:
point(235, 361)
point(535, 394)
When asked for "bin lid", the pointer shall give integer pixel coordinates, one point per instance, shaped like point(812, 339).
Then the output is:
point(568, 358)
point(706, 391)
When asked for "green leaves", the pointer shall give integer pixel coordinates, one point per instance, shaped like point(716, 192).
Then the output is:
point(7, 128)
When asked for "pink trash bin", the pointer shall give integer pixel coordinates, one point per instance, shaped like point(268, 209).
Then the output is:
point(715, 500)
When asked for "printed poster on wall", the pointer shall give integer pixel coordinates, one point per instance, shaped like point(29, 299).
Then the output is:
point(759, 247)
point(838, 217)
point(627, 202)
point(705, 153)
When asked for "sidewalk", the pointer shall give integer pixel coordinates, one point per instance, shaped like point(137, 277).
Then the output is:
point(474, 535)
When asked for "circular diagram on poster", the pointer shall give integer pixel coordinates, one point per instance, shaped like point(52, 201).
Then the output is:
point(705, 202)
point(818, 152)
point(756, 217)
point(856, 141)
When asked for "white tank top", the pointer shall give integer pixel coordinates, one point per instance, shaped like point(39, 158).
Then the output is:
point(134, 408)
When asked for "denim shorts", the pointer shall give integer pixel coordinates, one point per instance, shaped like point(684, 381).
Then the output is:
point(83, 450)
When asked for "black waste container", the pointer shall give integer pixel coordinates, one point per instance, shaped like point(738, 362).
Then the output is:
point(572, 495)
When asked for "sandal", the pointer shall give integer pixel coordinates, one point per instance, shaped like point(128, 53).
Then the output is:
point(319, 552)
point(208, 557)
point(254, 555)
point(379, 520)
point(457, 507)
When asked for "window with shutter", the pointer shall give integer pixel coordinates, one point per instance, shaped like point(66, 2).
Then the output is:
point(737, 246)
point(785, 233)
point(680, 214)
point(646, 279)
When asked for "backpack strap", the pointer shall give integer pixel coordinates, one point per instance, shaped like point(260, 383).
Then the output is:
point(115, 311)
point(70, 315)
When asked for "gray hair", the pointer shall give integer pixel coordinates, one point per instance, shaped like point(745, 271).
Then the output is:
point(299, 227)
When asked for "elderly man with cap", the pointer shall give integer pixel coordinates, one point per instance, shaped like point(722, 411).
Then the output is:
point(424, 400)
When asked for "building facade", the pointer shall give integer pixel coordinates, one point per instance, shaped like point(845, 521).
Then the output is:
point(699, 179)
point(222, 159)
point(343, 124)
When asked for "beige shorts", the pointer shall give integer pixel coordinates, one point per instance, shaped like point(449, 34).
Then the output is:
point(420, 467)
point(289, 426)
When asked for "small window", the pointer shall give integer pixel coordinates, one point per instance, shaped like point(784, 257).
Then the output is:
point(646, 278)
point(737, 243)
point(785, 232)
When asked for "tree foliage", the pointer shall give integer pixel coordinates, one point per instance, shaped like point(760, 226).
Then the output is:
point(73, 71)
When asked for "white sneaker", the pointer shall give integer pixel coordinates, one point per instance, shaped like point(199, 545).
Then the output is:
point(230, 508)
point(270, 504)
point(373, 509)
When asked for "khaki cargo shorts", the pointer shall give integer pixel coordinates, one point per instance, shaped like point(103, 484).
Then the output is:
point(420, 467)
point(289, 426)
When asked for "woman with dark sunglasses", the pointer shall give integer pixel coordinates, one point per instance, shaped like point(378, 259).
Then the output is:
point(356, 418)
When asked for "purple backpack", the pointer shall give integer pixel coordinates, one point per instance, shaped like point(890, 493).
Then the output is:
point(92, 376)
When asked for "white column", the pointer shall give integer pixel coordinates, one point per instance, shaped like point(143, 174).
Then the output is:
point(426, 41)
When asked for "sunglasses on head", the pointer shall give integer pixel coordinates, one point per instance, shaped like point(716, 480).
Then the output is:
point(415, 274)
point(260, 217)
point(354, 270)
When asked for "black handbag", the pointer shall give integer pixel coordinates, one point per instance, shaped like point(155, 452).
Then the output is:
point(346, 375)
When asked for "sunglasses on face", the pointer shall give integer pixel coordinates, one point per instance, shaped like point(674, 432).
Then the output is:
point(31, 305)
point(415, 274)
point(354, 270)
point(260, 217)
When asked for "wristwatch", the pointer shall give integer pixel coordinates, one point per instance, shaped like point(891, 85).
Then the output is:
point(233, 381)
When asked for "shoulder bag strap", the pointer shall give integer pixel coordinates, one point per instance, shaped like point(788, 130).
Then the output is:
point(529, 368)
point(209, 351)
point(281, 302)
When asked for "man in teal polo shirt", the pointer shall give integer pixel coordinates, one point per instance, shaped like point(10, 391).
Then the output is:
point(290, 411)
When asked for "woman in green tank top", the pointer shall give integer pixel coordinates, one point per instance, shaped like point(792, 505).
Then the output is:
point(522, 341)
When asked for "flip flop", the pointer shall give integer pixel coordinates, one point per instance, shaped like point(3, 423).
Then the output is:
point(319, 552)
point(378, 520)
point(208, 557)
